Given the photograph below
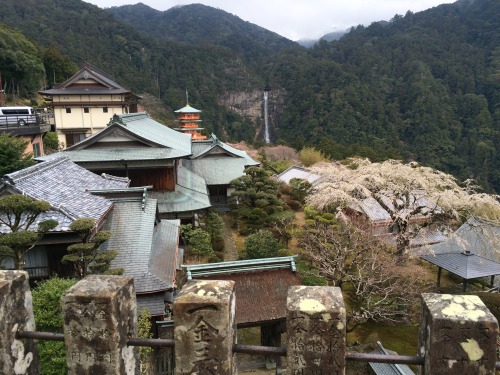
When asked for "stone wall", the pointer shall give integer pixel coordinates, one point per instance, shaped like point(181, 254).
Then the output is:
point(457, 333)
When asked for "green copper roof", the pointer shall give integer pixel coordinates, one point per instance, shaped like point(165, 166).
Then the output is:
point(116, 154)
point(204, 147)
point(188, 109)
point(218, 170)
point(190, 194)
point(196, 270)
point(144, 126)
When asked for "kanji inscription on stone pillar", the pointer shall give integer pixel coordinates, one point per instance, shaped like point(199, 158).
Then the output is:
point(458, 335)
point(315, 324)
point(204, 330)
point(16, 314)
point(99, 317)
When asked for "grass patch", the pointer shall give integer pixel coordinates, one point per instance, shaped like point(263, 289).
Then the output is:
point(399, 338)
point(249, 336)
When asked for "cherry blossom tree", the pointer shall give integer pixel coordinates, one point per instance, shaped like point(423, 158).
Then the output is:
point(406, 191)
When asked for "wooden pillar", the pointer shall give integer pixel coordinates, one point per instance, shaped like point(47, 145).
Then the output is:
point(439, 277)
point(457, 335)
point(100, 314)
point(316, 320)
point(204, 331)
point(18, 357)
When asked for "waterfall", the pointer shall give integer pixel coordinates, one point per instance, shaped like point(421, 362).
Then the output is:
point(267, 138)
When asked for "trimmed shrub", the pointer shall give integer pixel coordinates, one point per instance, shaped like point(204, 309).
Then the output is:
point(261, 244)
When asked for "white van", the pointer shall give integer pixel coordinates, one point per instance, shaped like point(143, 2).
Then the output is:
point(17, 116)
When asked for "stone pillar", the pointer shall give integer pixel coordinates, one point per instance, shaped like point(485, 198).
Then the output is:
point(457, 335)
point(204, 331)
point(16, 314)
point(99, 316)
point(316, 320)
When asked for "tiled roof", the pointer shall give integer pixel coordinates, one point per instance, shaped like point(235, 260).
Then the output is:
point(265, 280)
point(372, 209)
point(154, 302)
point(164, 250)
point(217, 170)
point(188, 109)
point(65, 186)
point(467, 266)
point(480, 238)
point(146, 251)
point(418, 199)
point(116, 154)
point(298, 172)
point(85, 73)
point(144, 126)
point(190, 194)
point(388, 368)
point(204, 147)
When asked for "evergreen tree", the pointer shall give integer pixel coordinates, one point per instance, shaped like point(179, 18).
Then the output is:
point(87, 257)
point(19, 213)
point(257, 197)
point(261, 244)
point(213, 226)
point(12, 154)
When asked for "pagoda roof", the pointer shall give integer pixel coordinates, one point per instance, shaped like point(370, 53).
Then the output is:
point(188, 109)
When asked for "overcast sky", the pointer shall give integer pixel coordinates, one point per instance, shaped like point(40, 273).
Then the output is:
point(299, 19)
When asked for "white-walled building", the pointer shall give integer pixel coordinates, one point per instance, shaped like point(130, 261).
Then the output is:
point(84, 104)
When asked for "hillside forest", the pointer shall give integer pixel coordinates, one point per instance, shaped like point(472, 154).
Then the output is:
point(421, 86)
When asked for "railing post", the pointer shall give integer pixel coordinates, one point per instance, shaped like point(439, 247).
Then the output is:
point(16, 314)
point(457, 335)
point(99, 316)
point(316, 331)
point(204, 332)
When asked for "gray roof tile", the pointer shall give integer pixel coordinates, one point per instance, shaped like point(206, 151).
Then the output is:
point(480, 238)
point(388, 368)
point(65, 186)
point(106, 83)
point(146, 251)
point(154, 302)
point(372, 209)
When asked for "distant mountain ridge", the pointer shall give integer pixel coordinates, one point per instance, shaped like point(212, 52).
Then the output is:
point(421, 86)
point(198, 24)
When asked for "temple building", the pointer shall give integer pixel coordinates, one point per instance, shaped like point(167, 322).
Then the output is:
point(84, 104)
point(189, 119)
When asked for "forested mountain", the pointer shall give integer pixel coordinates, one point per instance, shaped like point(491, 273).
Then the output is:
point(198, 24)
point(139, 62)
point(422, 86)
